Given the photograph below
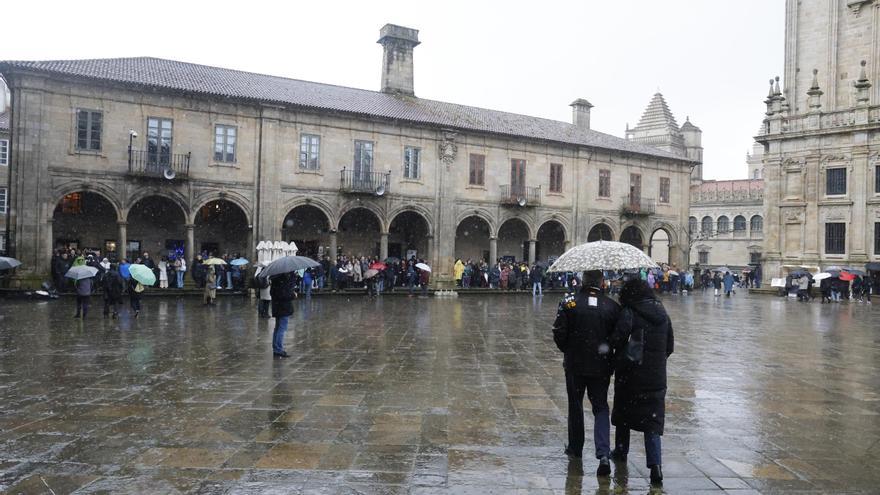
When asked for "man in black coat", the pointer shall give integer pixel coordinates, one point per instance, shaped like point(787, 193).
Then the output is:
point(283, 294)
point(581, 331)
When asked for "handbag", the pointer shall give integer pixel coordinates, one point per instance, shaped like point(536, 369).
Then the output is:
point(634, 351)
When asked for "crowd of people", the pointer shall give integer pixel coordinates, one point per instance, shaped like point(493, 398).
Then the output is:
point(834, 289)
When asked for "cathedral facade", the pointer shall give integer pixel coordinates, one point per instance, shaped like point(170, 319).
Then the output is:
point(821, 139)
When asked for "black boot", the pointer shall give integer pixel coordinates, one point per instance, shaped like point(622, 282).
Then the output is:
point(604, 468)
point(618, 456)
point(656, 475)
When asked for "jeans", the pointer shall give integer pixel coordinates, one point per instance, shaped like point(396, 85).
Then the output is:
point(537, 286)
point(228, 280)
point(307, 289)
point(596, 388)
point(180, 279)
point(380, 285)
point(652, 445)
point(278, 334)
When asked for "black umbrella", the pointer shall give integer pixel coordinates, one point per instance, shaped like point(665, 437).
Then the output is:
point(287, 264)
point(855, 271)
point(8, 263)
point(801, 273)
point(873, 266)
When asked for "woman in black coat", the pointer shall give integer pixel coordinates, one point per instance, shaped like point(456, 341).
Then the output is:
point(282, 291)
point(640, 381)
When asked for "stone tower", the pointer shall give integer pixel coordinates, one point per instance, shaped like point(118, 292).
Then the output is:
point(397, 61)
point(658, 128)
point(693, 147)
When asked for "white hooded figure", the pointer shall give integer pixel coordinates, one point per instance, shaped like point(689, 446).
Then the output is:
point(261, 252)
point(277, 250)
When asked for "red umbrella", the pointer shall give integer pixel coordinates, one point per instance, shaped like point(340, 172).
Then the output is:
point(847, 277)
point(378, 265)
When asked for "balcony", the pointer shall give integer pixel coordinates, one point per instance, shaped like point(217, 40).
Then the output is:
point(520, 195)
point(143, 163)
point(376, 183)
point(637, 206)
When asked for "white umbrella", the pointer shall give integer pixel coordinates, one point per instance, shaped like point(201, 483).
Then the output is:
point(80, 272)
point(822, 276)
point(424, 267)
point(673, 272)
point(602, 255)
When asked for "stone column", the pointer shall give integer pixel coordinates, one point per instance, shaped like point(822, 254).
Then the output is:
point(531, 251)
point(50, 239)
point(189, 248)
point(383, 245)
point(567, 244)
point(429, 256)
point(859, 240)
point(332, 246)
point(122, 240)
point(493, 250)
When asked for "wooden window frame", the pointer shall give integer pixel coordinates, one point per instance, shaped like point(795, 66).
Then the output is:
point(477, 170)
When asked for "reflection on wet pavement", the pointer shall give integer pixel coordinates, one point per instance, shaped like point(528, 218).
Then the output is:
point(423, 396)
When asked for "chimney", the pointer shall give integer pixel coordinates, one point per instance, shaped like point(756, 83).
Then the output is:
point(397, 62)
point(580, 115)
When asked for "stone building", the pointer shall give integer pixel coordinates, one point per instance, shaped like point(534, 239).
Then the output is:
point(4, 163)
point(821, 139)
point(143, 154)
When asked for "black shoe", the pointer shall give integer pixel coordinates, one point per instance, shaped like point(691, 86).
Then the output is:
point(604, 468)
point(136, 313)
point(618, 456)
point(656, 475)
point(571, 453)
point(281, 354)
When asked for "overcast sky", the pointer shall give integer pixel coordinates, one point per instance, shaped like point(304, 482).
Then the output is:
point(710, 59)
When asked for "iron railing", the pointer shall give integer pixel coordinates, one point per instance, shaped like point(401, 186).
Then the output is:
point(520, 195)
point(357, 182)
point(160, 165)
point(637, 205)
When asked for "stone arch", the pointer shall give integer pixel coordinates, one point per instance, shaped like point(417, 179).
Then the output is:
point(355, 234)
point(174, 196)
point(514, 235)
point(756, 223)
point(528, 222)
point(693, 225)
point(97, 188)
point(319, 203)
point(707, 225)
point(220, 227)
point(233, 197)
point(366, 205)
point(84, 219)
point(308, 225)
point(409, 230)
point(417, 209)
point(482, 214)
point(158, 226)
point(634, 235)
point(597, 230)
point(472, 241)
point(551, 239)
point(723, 224)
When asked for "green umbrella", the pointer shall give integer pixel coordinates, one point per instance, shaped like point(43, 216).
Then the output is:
point(142, 274)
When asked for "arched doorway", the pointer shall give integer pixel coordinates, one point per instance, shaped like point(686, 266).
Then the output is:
point(513, 240)
point(155, 225)
point(551, 241)
point(633, 236)
point(600, 232)
point(660, 245)
point(85, 220)
point(408, 236)
point(309, 227)
point(359, 232)
point(472, 239)
point(220, 227)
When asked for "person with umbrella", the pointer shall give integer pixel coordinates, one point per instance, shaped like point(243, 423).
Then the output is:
point(210, 292)
point(283, 294)
point(142, 276)
point(424, 276)
point(112, 290)
point(82, 276)
point(537, 279)
point(728, 283)
point(642, 340)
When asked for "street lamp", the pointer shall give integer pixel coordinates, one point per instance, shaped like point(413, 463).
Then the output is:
point(132, 135)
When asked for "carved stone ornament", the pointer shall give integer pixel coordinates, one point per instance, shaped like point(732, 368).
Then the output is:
point(855, 6)
point(448, 148)
point(835, 213)
point(836, 160)
point(794, 164)
point(793, 215)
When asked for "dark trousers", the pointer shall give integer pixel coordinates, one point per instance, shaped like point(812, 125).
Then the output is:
point(82, 304)
point(652, 445)
point(596, 388)
point(111, 302)
point(263, 308)
point(134, 301)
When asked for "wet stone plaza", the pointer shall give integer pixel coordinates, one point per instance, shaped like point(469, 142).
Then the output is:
point(423, 396)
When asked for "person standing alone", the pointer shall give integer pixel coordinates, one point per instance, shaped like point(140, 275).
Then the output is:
point(584, 322)
point(282, 307)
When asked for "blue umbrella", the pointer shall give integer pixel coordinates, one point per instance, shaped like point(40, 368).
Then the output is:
point(239, 262)
point(124, 271)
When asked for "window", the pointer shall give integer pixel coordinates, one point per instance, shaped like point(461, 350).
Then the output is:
point(159, 141)
point(556, 177)
point(309, 151)
point(224, 143)
point(477, 170)
point(739, 223)
point(4, 152)
point(877, 179)
point(754, 258)
point(835, 238)
point(604, 183)
point(706, 225)
point(72, 203)
point(89, 125)
point(876, 238)
point(704, 257)
point(412, 162)
point(693, 225)
point(3, 242)
point(3, 200)
point(635, 188)
point(723, 224)
point(757, 223)
point(363, 159)
point(664, 189)
point(835, 181)
point(517, 176)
